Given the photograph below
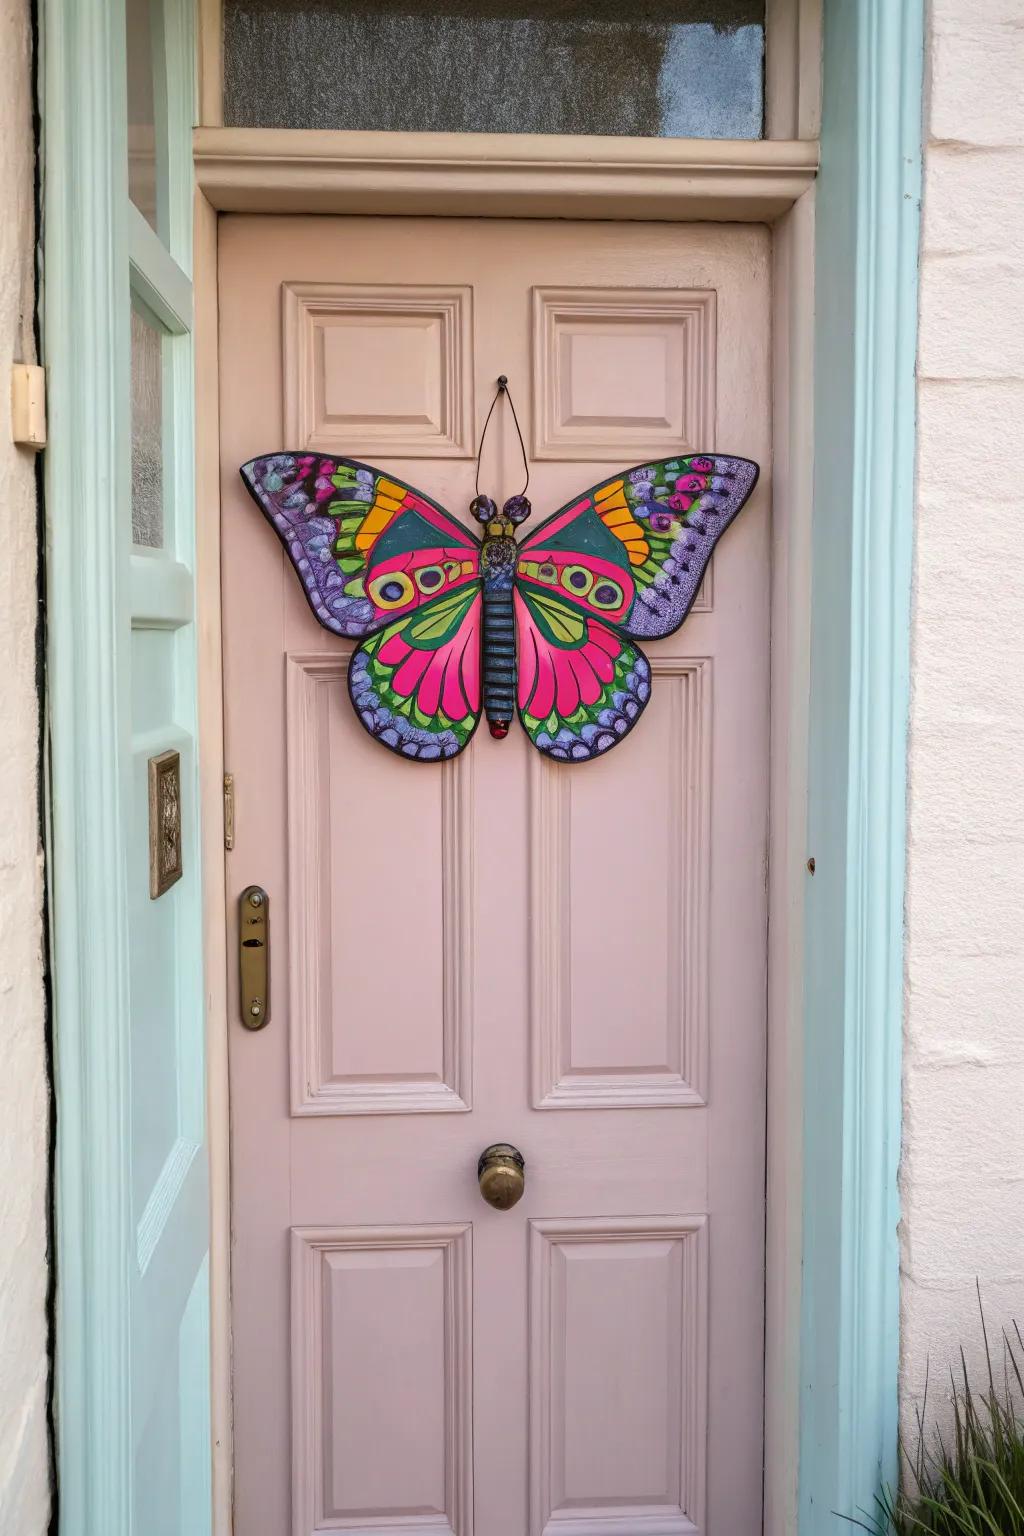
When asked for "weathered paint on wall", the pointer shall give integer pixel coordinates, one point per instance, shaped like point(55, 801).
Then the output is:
point(24, 1475)
point(962, 1178)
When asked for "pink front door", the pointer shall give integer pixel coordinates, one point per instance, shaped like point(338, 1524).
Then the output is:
point(499, 948)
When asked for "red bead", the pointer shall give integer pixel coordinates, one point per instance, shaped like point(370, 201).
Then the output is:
point(498, 729)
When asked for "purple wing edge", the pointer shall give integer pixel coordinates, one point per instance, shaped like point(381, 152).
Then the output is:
point(662, 607)
point(307, 535)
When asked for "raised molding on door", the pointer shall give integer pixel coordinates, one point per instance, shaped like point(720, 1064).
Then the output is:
point(559, 1079)
point(623, 1300)
point(587, 340)
point(316, 684)
point(382, 1332)
point(418, 339)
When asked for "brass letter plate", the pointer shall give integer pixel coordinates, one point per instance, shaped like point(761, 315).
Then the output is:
point(164, 822)
point(254, 956)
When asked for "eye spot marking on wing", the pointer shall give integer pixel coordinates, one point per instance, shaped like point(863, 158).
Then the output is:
point(594, 589)
point(545, 571)
point(606, 594)
point(391, 590)
point(577, 579)
point(403, 584)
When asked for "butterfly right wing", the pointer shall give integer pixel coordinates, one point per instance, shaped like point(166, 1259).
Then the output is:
point(632, 550)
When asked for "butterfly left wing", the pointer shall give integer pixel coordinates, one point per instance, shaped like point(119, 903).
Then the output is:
point(415, 685)
point(582, 685)
point(632, 551)
point(368, 547)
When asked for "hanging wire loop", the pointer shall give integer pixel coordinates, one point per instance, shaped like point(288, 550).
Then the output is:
point(502, 389)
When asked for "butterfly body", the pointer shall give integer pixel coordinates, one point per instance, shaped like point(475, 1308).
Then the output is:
point(498, 555)
point(451, 626)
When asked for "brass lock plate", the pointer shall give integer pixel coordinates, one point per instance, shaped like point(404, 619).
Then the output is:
point(254, 956)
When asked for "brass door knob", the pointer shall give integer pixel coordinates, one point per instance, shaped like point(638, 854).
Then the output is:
point(502, 1175)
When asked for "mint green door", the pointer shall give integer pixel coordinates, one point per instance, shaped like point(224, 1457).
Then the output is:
point(169, 1199)
point(169, 1187)
point(133, 1357)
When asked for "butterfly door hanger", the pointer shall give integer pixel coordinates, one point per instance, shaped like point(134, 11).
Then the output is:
point(451, 627)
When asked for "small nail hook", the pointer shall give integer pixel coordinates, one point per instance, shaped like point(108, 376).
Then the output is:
point(502, 381)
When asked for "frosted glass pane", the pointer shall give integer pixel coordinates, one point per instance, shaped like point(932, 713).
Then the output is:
point(660, 68)
point(145, 169)
point(147, 434)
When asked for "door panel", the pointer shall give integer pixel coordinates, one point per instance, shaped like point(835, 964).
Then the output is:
point(593, 1047)
point(500, 947)
point(382, 1377)
point(588, 343)
point(385, 367)
point(415, 1057)
point(618, 1363)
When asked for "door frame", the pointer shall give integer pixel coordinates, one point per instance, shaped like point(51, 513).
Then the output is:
point(868, 208)
point(838, 736)
point(839, 682)
point(271, 172)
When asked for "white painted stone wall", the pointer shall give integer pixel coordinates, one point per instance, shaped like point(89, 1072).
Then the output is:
point(963, 1156)
point(24, 1473)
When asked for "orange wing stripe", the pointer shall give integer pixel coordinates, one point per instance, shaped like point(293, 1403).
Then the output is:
point(616, 516)
point(376, 520)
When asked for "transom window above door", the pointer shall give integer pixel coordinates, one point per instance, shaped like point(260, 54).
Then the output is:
point(652, 69)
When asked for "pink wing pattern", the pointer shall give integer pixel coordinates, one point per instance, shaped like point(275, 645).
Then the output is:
point(582, 685)
point(416, 684)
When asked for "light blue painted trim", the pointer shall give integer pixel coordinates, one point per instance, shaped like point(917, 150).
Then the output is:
point(86, 246)
point(868, 203)
point(86, 350)
point(156, 277)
